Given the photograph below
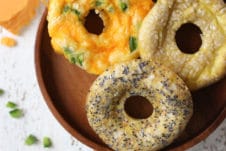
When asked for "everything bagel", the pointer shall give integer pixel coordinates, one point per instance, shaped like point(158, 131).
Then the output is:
point(94, 53)
point(168, 94)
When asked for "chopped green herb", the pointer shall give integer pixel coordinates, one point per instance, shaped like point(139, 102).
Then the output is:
point(30, 140)
point(111, 9)
point(16, 113)
point(47, 142)
point(75, 58)
point(98, 3)
point(132, 43)
point(123, 6)
point(80, 58)
point(1, 92)
point(69, 9)
point(11, 105)
point(67, 51)
point(72, 59)
point(76, 11)
point(66, 9)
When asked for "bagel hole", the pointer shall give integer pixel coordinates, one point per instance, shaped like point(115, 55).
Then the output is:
point(138, 107)
point(94, 23)
point(188, 38)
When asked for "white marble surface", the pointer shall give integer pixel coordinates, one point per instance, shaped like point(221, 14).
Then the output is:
point(18, 79)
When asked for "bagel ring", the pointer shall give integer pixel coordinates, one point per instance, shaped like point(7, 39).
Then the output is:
point(168, 94)
point(94, 53)
point(158, 42)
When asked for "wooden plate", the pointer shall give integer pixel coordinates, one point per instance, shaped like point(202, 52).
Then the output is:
point(65, 86)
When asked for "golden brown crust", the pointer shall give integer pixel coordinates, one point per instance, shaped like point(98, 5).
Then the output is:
point(168, 94)
point(157, 39)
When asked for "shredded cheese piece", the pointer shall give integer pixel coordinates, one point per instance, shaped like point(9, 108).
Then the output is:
point(7, 41)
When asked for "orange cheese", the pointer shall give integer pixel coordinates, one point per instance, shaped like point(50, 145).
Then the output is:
point(15, 14)
point(121, 20)
point(7, 41)
point(10, 8)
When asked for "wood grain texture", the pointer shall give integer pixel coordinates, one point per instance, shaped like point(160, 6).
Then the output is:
point(65, 86)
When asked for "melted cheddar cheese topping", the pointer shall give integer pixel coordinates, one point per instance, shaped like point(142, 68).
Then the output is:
point(94, 53)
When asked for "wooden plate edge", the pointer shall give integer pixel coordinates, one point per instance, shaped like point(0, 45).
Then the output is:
point(202, 135)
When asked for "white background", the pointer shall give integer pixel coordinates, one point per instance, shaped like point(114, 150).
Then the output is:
point(18, 79)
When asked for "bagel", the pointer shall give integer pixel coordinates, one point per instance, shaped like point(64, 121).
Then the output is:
point(92, 52)
point(157, 39)
point(168, 94)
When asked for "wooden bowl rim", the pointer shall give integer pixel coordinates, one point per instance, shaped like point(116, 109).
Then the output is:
point(187, 144)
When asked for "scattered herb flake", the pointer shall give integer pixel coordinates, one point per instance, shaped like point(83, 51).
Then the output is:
point(66, 9)
point(47, 142)
point(98, 3)
point(1, 92)
point(16, 113)
point(76, 11)
point(111, 9)
point(11, 105)
point(123, 6)
point(80, 59)
point(132, 43)
point(69, 9)
point(30, 140)
point(67, 50)
point(74, 58)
